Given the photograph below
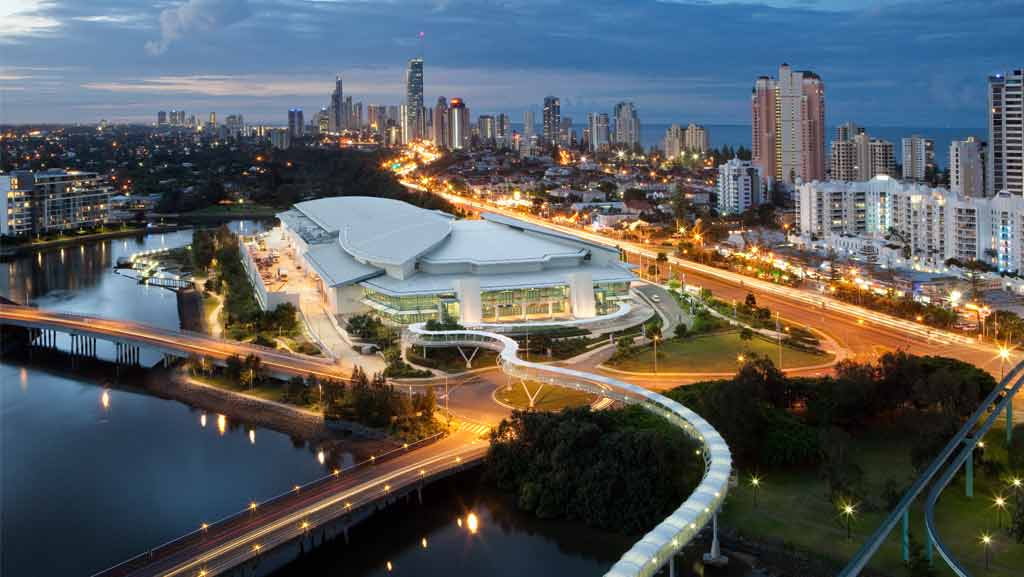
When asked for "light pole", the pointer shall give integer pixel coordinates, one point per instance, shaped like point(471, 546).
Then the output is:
point(755, 484)
point(655, 340)
point(848, 510)
point(1000, 505)
point(1004, 355)
point(986, 542)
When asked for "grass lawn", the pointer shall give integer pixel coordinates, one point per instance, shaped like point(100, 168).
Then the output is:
point(793, 506)
point(270, 391)
point(714, 353)
point(551, 398)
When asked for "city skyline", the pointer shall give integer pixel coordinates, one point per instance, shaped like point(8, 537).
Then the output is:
point(189, 56)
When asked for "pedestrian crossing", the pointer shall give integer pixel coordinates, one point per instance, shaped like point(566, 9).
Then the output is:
point(478, 429)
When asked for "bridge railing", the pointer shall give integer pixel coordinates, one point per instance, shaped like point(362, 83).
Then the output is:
point(153, 330)
point(173, 545)
point(658, 546)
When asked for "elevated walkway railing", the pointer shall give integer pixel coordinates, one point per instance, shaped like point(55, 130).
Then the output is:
point(901, 512)
point(661, 544)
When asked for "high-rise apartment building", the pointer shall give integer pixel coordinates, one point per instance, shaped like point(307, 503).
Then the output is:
point(855, 156)
point(503, 130)
point(552, 120)
point(627, 125)
point(918, 158)
point(696, 138)
point(529, 125)
point(788, 125)
point(439, 128)
point(52, 200)
point(377, 117)
point(161, 118)
point(486, 128)
point(967, 167)
point(675, 141)
point(458, 125)
point(337, 119)
point(599, 132)
point(740, 186)
point(1005, 155)
point(414, 123)
point(296, 124)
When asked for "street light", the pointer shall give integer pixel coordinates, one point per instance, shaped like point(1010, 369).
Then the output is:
point(655, 340)
point(1004, 355)
point(986, 541)
point(755, 484)
point(1000, 505)
point(848, 510)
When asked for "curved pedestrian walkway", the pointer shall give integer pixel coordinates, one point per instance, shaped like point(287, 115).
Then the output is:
point(658, 547)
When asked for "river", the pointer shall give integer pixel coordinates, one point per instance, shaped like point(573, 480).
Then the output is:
point(90, 476)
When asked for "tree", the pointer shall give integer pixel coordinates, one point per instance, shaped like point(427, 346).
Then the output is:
point(746, 335)
point(918, 564)
point(750, 301)
point(233, 368)
point(680, 330)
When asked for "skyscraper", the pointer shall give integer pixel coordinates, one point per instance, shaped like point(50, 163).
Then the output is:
point(440, 126)
point(458, 125)
point(788, 125)
point(503, 130)
point(675, 141)
point(599, 134)
point(161, 118)
point(413, 126)
point(337, 123)
point(967, 167)
point(918, 158)
point(627, 125)
point(1005, 162)
point(529, 125)
point(552, 120)
point(296, 124)
point(696, 138)
point(485, 126)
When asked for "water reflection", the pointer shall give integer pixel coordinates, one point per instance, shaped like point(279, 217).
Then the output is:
point(105, 399)
point(222, 424)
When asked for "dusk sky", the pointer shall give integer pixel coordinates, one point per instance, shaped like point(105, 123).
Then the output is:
point(884, 62)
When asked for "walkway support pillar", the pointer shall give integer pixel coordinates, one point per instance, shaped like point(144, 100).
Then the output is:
point(672, 566)
point(969, 475)
point(906, 536)
point(715, 557)
point(928, 547)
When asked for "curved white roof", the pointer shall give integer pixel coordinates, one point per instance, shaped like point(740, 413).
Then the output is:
point(483, 242)
point(379, 230)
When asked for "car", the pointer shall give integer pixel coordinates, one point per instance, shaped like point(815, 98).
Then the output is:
point(655, 298)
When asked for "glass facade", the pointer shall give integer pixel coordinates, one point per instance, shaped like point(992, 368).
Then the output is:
point(496, 306)
point(508, 305)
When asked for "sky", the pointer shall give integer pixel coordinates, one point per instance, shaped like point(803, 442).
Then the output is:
point(884, 62)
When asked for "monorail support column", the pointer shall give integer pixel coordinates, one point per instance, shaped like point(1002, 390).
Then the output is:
point(672, 566)
point(928, 547)
point(906, 536)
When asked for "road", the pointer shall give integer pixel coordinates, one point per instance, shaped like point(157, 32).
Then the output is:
point(864, 333)
point(172, 341)
point(239, 539)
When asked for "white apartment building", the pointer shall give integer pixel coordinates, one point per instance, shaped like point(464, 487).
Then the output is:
point(675, 141)
point(932, 224)
point(696, 138)
point(739, 186)
point(52, 200)
point(966, 167)
point(918, 157)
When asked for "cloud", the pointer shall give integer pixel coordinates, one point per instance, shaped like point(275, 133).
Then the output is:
point(201, 16)
point(26, 18)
